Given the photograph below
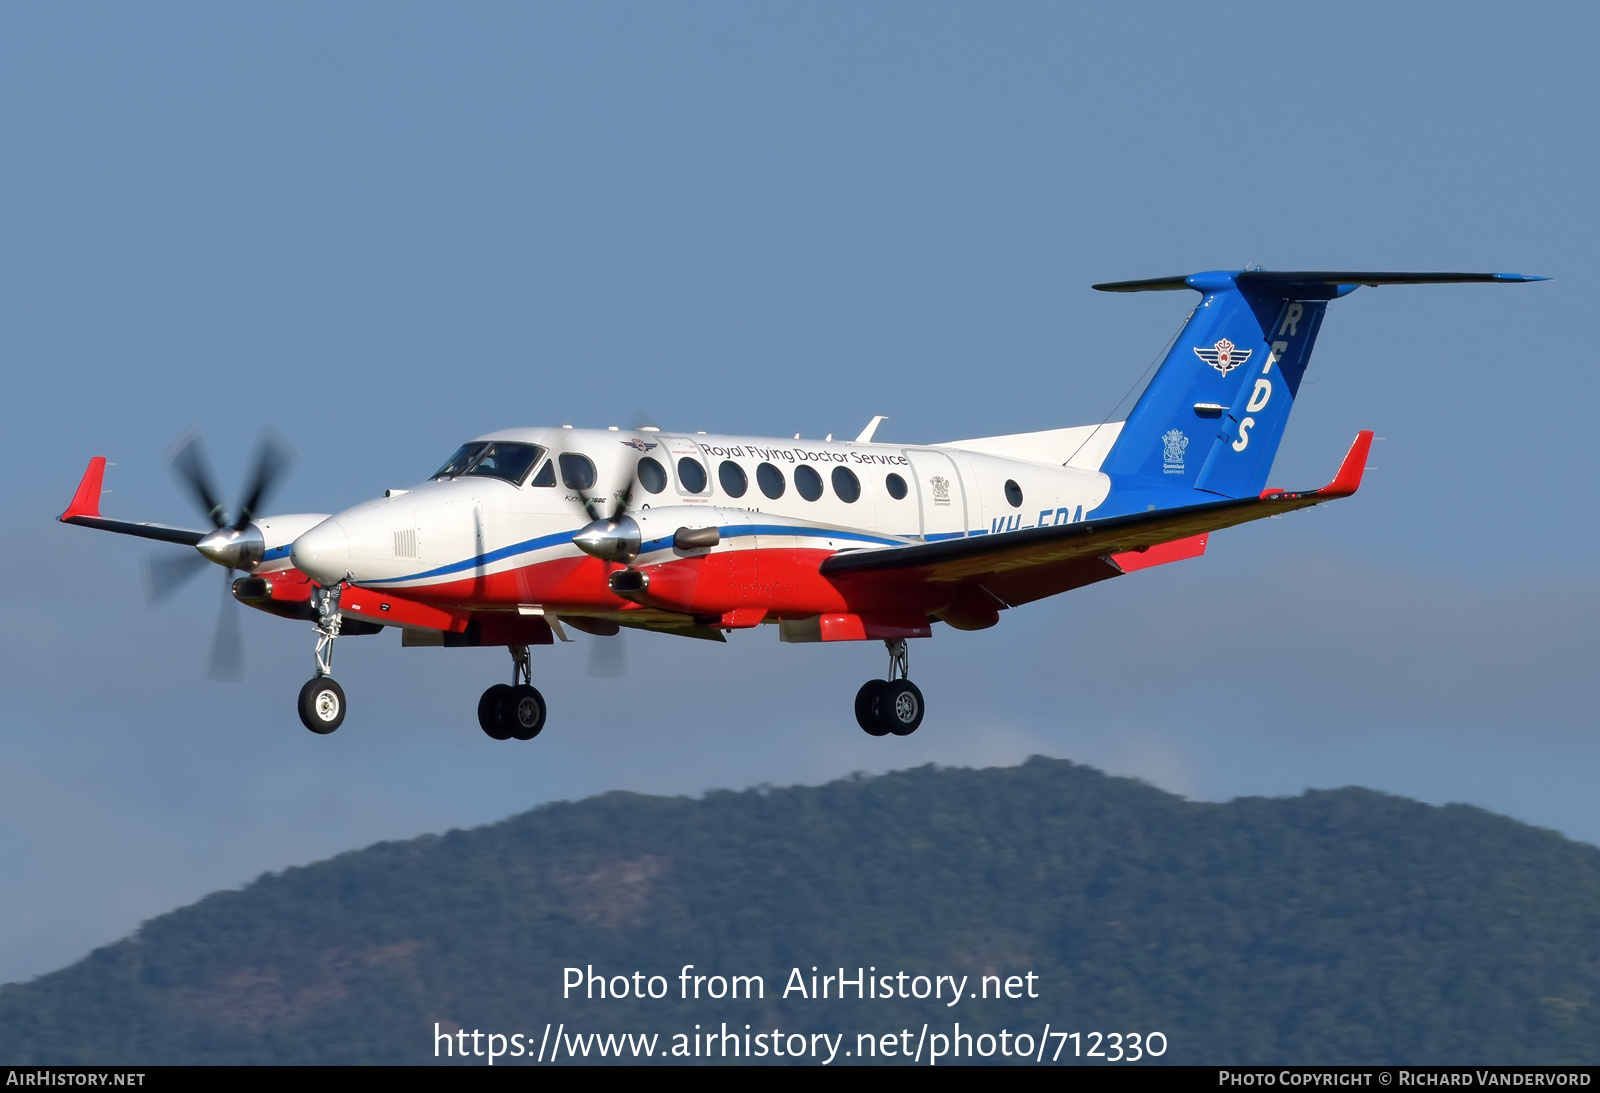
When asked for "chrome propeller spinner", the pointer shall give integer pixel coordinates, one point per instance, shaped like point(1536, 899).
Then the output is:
point(614, 537)
point(611, 539)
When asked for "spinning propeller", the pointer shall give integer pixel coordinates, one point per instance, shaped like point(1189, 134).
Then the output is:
point(235, 545)
point(611, 538)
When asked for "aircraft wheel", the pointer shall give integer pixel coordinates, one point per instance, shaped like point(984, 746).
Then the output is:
point(867, 708)
point(900, 707)
point(522, 712)
point(322, 705)
point(489, 707)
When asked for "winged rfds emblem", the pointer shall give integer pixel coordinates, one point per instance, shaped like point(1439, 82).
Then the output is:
point(1224, 356)
point(635, 442)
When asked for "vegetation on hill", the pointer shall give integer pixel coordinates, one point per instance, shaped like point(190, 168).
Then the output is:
point(1337, 926)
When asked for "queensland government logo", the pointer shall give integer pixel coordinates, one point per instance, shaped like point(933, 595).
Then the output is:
point(1173, 445)
point(1224, 356)
point(941, 489)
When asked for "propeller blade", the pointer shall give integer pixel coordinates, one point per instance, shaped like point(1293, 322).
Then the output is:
point(625, 498)
point(590, 505)
point(273, 458)
point(165, 573)
point(188, 462)
point(227, 646)
point(607, 659)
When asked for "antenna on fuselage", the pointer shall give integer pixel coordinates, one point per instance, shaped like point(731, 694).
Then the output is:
point(872, 427)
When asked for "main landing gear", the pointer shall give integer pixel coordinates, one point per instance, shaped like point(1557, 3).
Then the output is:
point(514, 712)
point(892, 705)
point(322, 703)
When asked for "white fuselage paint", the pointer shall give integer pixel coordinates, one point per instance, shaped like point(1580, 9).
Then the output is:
point(425, 534)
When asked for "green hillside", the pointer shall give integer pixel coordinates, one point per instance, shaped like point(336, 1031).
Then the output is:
point(1338, 926)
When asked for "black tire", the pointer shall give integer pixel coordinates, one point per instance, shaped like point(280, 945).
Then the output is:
point(322, 705)
point(522, 712)
point(489, 711)
point(867, 708)
point(900, 707)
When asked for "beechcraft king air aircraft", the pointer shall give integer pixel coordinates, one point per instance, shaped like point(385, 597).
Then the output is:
point(525, 532)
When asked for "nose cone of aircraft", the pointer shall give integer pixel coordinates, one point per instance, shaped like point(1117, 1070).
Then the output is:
point(323, 553)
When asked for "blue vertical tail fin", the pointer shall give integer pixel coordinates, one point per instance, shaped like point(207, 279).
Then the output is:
point(1213, 415)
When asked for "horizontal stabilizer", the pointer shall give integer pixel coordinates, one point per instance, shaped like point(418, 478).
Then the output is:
point(1202, 282)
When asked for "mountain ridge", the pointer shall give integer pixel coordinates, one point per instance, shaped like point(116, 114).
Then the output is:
point(1335, 926)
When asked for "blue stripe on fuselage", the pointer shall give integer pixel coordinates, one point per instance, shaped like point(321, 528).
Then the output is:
point(563, 537)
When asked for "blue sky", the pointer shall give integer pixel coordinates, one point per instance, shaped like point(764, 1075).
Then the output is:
point(382, 229)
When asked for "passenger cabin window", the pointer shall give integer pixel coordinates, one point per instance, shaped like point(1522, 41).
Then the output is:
point(652, 475)
point(458, 463)
point(770, 479)
point(896, 487)
point(506, 460)
point(691, 475)
point(846, 485)
point(577, 471)
point(734, 480)
point(1013, 494)
point(546, 475)
point(808, 482)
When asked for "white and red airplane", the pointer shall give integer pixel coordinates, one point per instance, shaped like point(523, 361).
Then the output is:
point(525, 532)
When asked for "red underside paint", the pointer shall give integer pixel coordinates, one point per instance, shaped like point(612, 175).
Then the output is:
point(841, 627)
point(290, 586)
point(1175, 551)
point(780, 583)
point(740, 588)
point(395, 611)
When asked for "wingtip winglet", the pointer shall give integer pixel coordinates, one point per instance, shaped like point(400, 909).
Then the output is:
point(1348, 480)
point(86, 502)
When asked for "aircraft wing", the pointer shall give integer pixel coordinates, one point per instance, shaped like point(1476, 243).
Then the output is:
point(85, 511)
point(1020, 566)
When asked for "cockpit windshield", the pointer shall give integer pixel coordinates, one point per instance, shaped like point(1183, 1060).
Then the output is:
point(458, 463)
point(503, 459)
point(508, 460)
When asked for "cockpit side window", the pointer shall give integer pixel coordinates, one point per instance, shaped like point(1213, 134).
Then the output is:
point(458, 463)
point(506, 460)
point(577, 471)
point(546, 475)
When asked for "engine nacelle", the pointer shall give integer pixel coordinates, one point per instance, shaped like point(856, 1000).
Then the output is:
point(683, 529)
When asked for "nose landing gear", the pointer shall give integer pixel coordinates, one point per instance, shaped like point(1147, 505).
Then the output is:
point(892, 705)
point(514, 712)
point(322, 703)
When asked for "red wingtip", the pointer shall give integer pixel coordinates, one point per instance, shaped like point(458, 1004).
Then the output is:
point(86, 502)
point(1348, 480)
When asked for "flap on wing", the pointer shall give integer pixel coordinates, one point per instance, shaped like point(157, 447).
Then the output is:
point(989, 555)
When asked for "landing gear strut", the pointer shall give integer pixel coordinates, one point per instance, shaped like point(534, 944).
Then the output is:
point(514, 712)
point(892, 705)
point(322, 702)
